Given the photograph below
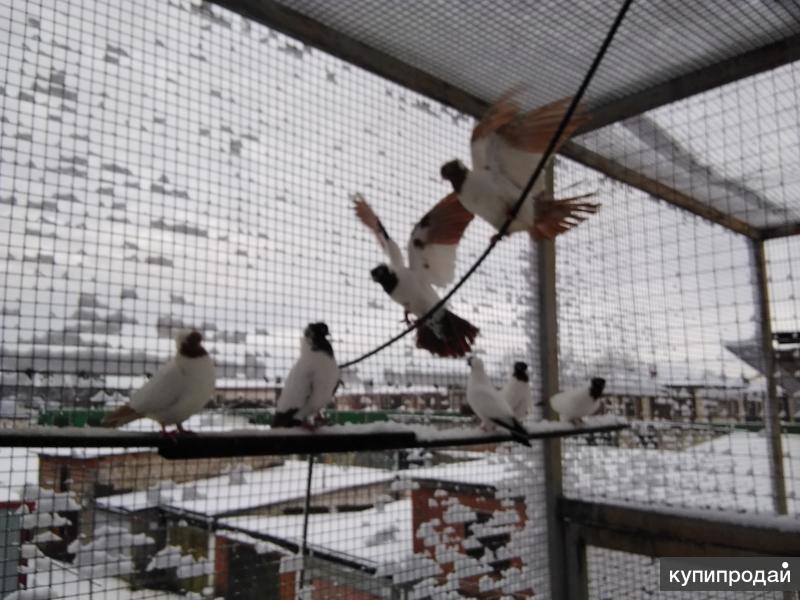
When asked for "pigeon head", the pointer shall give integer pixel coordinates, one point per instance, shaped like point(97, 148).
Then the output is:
point(317, 335)
point(474, 362)
point(521, 371)
point(455, 172)
point(189, 343)
point(597, 386)
point(384, 275)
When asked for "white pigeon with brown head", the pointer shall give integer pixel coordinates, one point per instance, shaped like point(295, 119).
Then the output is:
point(432, 254)
point(506, 146)
point(179, 389)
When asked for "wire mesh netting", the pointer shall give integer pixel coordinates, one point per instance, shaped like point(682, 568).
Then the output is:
point(172, 165)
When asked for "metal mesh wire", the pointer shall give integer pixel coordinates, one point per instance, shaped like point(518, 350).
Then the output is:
point(615, 574)
point(171, 164)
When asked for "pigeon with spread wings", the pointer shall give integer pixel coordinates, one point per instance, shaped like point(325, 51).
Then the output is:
point(431, 257)
point(506, 146)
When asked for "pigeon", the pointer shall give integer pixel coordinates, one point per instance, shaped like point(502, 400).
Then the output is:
point(506, 146)
point(431, 252)
point(579, 402)
point(312, 381)
point(489, 404)
point(517, 391)
point(178, 390)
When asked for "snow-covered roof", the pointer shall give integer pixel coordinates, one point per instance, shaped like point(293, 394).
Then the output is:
point(729, 472)
point(489, 471)
point(244, 490)
point(372, 537)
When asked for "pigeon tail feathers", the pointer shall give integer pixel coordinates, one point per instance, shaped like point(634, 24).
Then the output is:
point(449, 335)
point(121, 416)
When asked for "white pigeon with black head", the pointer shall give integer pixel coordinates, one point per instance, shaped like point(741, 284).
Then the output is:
point(311, 382)
point(517, 391)
point(574, 404)
point(506, 146)
point(179, 389)
point(488, 403)
point(432, 253)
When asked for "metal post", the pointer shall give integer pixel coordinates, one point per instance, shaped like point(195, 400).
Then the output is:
point(548, 361)
point(772, 424)
point(306, 508)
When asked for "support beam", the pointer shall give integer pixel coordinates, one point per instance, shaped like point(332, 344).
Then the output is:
point(779, 231)
point(546, 338)
point(722, 73)
point(662, 531)
point(772, 424)
point(655, 188)
point(318, 35)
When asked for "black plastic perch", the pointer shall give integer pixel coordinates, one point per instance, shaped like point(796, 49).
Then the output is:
point(350, 438)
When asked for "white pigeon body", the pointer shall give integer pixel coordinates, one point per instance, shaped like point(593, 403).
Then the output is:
point(179, 389)
point(578, 402)
point(415, 295)
point(312, 380)
point(491, 199)
point(488, 403)
point(517, 391)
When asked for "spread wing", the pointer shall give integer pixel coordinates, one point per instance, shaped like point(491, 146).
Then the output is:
point(510, 142)
point(161, 391)
point(368, 217)
point(434, 240)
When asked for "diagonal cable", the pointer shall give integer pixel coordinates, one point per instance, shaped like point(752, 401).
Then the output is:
point(536, 174)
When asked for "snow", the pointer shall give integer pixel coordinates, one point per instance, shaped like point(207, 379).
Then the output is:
point(55, 580)
point(376, 536)
point(728, 473)
point(219, 496)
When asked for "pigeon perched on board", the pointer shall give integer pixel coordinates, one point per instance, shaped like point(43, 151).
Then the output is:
point(517, 391)
point(311, 382)
point(579, 402)
point(431, 254)
point(179, 389)
point(506, 146)
point(488, 403)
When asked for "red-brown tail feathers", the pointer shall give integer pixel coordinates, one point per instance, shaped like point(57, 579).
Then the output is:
point(554, 217)
point(121, 416)
point(449, 335)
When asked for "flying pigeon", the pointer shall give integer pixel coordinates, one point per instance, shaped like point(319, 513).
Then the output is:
point(517, 391)
point(312, 381)
point(506, 146)
point(579, 402)
point(180, 388)
point(431, 255)
point(489, 404)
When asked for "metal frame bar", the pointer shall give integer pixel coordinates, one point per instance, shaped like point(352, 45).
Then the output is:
point(548, 364)
point(772, 425)
point(655, 188)
point(659, 531)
